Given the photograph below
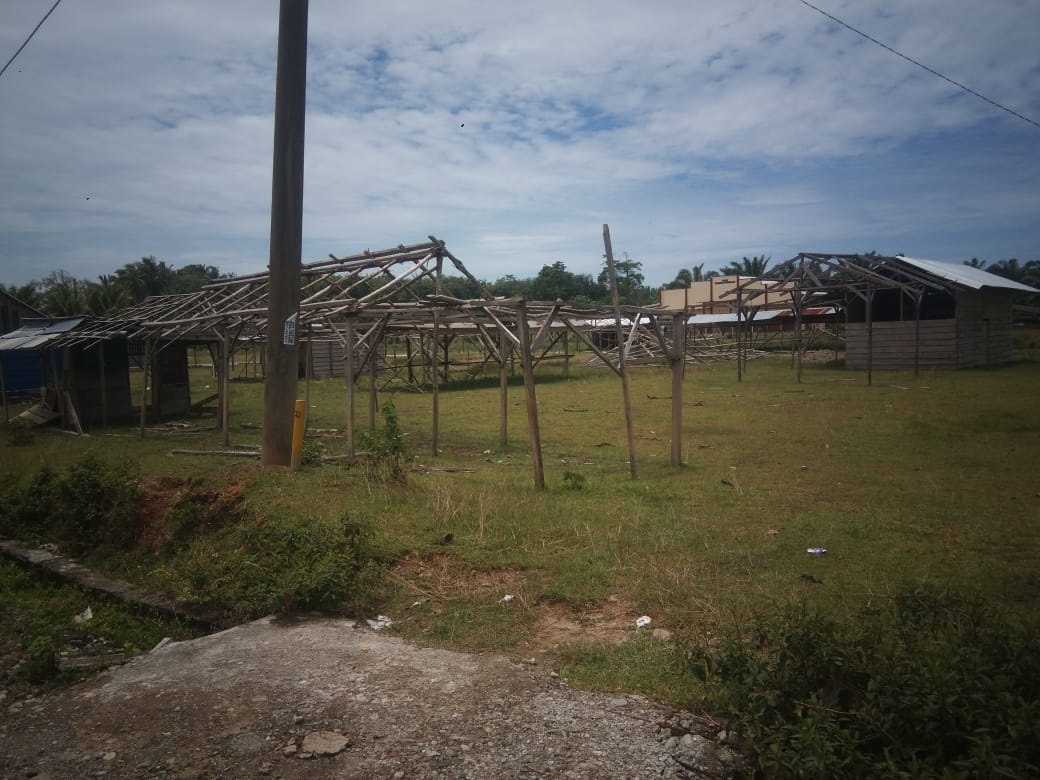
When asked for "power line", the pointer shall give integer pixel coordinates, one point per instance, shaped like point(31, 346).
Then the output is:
point(26, 43)
point(921, 65)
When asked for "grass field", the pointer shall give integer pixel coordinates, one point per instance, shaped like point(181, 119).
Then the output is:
point(928, 479)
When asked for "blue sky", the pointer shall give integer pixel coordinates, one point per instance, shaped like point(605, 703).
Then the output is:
point(701, 131)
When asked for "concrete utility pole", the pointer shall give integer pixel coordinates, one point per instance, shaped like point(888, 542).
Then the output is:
point(283, 297)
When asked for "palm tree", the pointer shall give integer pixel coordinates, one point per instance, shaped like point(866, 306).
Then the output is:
point(105, 296)
point(146, 277)
point(754, 266)
point(28, 293)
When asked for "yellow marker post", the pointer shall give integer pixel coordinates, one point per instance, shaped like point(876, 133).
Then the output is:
point(299, 428)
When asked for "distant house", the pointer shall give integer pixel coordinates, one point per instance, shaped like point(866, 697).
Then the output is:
point(963, 318)
point(87, 381)
point(908, 313)
point(715, 295)
point(20, 371)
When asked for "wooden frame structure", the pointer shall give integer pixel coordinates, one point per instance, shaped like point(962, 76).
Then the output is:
point(902, 312)
point(360, 301)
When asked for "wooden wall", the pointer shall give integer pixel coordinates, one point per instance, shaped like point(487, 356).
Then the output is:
point(83, 379)
point(893, 344)
point(983, 327)
point(980, 335)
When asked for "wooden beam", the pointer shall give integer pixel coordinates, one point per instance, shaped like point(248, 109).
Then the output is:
point(622, 370)
point(533, 430)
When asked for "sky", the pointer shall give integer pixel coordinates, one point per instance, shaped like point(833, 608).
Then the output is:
point(701, 131)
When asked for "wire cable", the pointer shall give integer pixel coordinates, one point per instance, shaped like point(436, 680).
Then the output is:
point(921, 65)
point(26, 43)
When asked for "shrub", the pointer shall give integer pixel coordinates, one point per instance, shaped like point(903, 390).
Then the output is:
point(385, 447)
point(19, 432)
point(256, 568)
point(92, 505)
point(934, 685)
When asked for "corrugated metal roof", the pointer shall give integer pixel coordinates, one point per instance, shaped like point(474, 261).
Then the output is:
point(35, 334)
point(965, 275)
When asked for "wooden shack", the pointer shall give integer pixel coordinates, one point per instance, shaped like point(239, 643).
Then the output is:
point(962, 320)
point(905, 312)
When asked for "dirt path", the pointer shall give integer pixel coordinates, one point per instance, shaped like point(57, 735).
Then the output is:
point(321, 698)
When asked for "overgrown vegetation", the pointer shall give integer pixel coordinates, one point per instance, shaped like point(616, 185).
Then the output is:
point(385, 448)
point(258, 567)
point(90, 507)
point(932, 684)
point(40, 618)
point(925, 479)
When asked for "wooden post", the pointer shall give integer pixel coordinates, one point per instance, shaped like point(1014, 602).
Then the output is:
point(917, 332)
point(435, 377)
point(678, 360)
point(349, 377)
point(373, 401)
point(104, 389)
point(308, 356)
point(870, 336)
point(622, 368)
point(283, 302)
point(798, 330)
point(3, 389)
point(527, 362)
point(504, 348)
point(225, 386)
point(144, 382)
point(740, 334)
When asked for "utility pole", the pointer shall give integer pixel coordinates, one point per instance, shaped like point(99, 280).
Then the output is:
point(283, 293)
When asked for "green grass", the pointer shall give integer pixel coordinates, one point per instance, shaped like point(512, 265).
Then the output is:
point(927, 479)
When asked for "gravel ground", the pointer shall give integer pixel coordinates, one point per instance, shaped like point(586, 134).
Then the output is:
point(322, 698)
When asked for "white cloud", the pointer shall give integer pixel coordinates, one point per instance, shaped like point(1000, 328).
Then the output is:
point(699, 131)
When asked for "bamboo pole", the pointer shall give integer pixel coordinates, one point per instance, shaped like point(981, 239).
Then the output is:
point(3, 390)
point(678, 360)
point(529, 395)
point(348, 377)
point(870, 337)
point(373, 405)
point(622, 370)
point(435, 377)
point(504, 348)
point(225, 385)
point(144, 383)
point(308, 356)
point(103, 388)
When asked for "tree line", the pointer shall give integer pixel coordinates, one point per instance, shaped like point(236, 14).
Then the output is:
point(60, 294)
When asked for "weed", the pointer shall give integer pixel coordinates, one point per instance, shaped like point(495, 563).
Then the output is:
point(934, 683)
point(91, 506)
point(573, 480)
point(19, 432)
point(258, 567)
point(385, 447)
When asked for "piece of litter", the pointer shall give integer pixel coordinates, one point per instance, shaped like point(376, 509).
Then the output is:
point(506, 598)
point(162, 643)
point(380, 622)
point(643, 622)
point(816, 550)
point(83, 616)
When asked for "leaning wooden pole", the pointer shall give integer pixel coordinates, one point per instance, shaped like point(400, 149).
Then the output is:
point(678, 361)
point(225, 387)
point(527, 362)
point(622, 368)
point(503, 389)
point(349, 376)
point(144, 384)
point(283, 302)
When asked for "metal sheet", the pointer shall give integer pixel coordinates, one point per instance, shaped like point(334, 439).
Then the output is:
point(965, 275)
